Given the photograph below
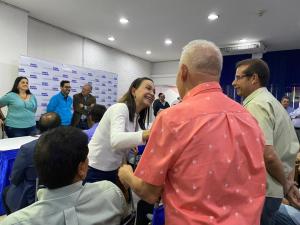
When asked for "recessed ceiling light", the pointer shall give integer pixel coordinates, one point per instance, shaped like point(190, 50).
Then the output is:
point(148, 52)
point(123, 20)
point(244, 40)
point(111, 38)
point(213, 16)
point(168, 41)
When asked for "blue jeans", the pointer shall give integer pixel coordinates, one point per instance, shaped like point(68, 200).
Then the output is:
point(271, 206)
point(12, 132)
point(94, 175)
point(282, 217)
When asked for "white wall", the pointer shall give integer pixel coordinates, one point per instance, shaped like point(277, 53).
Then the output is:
point(126, 66)
point(13, 43)
point(53, 44)
point(164, 73)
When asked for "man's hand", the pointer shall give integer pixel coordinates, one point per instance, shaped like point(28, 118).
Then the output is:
point(293, 196)
point(124, 173)
point(81, 105)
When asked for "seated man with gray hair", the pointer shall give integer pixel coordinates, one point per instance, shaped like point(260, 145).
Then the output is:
point(61, 163)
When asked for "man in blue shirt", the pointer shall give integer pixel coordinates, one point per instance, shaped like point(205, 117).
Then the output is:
point(61, 103)
point(95, 115)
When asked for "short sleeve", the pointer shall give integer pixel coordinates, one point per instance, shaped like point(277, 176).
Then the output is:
point(160, 154)
point(265, 118)
point(4, 101)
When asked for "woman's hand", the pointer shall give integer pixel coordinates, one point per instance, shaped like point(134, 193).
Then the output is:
point(146, 134)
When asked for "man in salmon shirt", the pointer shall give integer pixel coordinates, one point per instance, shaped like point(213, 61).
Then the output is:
point(204, 155)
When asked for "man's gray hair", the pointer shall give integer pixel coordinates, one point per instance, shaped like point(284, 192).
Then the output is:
point(202, 56)
point(87, 84)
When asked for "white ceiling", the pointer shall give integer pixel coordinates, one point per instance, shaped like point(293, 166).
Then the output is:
point(151, 21)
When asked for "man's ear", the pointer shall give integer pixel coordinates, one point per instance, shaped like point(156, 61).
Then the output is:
point(184, 72)
point(255, 79)
point(82, 169)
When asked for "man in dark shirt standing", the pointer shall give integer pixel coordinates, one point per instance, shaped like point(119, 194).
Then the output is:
point(83, 103)
point(160, 104)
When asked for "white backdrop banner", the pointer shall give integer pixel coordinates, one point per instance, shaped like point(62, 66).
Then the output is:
point(44, 81)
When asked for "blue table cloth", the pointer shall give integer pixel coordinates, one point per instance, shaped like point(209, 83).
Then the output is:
point(7, 159)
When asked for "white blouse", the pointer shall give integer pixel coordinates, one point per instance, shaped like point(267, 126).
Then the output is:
point(113, 138)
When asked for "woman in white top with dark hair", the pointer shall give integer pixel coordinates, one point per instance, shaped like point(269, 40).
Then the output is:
point(121, 128)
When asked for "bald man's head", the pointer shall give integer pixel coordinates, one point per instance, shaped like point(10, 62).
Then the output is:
point(49, 121)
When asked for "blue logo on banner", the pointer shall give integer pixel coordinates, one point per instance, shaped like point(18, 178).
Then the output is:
point(97, 80)
point(90, 74)
point(33, 76)
point(103, 76)
point(45, 73)
point(103, 92)
point(115, 78)
point(96, 96)
point(33, 87)
point(55, 89)
point(74, 71)
point(73, 90)
point(109, 97)
point(44, 104)
point(109, 82)
point(115, 100)
point(55, 68)
point(96, 88)
point(21, 70)
point(74, 81)
point(115, 85)
point(44, 94)
point(82, 78)
point(102, 100)
point(115, 93)
point(109, 89)
point(108, 104)
point(55, 78)
point(65, 75)
point(33, 65)
point(103, 84)
point(44, 83)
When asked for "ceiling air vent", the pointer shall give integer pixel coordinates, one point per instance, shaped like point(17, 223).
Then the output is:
point(243, 48)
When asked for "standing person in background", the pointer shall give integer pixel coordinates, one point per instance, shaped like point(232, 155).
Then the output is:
point(95, 116)
point(119, 131)
point(61, 103)
point(160, 104)
point(285, 102)
point(281, 143)
point(82, 105)
point(22, 105)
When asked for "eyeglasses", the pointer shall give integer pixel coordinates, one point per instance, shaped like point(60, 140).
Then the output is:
point(239, 77)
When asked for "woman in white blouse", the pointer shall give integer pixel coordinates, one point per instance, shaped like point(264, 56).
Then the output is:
point(121, 128)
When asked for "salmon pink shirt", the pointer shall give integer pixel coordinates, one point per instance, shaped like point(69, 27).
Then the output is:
point(207, 154)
